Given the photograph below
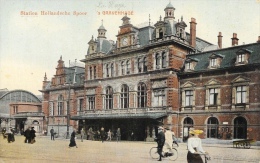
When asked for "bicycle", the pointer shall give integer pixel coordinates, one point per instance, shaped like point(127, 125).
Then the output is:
point(171, 155)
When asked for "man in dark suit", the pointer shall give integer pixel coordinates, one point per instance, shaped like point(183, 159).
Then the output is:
point(160, 142)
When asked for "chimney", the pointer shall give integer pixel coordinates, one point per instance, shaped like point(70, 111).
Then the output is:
point(234, 39)
point(258, 41)
point(193, 32)
point(220, 40)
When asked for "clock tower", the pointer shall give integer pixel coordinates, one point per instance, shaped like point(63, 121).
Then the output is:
point(126, 34)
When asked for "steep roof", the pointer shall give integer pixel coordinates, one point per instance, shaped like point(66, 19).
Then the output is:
point(229, 56)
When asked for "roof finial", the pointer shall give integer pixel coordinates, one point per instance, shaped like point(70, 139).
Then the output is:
point(102, 21)
point(160, 18)
point(61, 57)
point(181, 18)
point(92, 37)
point(149, 20)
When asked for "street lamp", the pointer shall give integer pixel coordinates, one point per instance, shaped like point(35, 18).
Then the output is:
point(68, 115)
point(58, 127)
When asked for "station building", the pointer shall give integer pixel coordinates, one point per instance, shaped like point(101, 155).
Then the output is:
point(161, 74)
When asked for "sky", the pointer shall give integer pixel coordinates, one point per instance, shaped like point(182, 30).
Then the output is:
point(31, 45)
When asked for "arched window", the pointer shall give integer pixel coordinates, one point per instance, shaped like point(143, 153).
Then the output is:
point(163, 60)
point(187, 124)
point(107, 70)
point(160, 33)
point(139, 62)
point(212, 127)
point(124, 96)
point(240, 128)
point(157, 60)
point(128, 68)
point(112, 69)
point(122, 68)
point(90, 73)
point(144, 64)
point(109, 98)
point(60, 105)
point(95, 72)
point(141, 95)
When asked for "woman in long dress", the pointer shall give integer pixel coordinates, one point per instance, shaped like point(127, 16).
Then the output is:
point(72, 140)
point(195, 147)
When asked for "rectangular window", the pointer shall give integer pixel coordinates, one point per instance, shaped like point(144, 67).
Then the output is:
point(15, 109)
point(213, 96)
point(159, 98)
point(241, 94)
point(213, 62)
point(81, 104)
point(91, 102)
point(188, 66)
point(188, 98)
point(241, 58)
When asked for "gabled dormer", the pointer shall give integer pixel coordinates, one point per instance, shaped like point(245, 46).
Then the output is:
point(215, 60)
point(180, 28)
point(160, 29)
point(242, 56)
point(190, 64)
point(92, 46)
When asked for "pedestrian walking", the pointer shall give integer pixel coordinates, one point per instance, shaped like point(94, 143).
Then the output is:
point(72, 139)
point(118, 135)
point(82, 133)
point(27, 135)
point(168, 141)
point(10, 135)
point(102, 134)
point(90, 134)
point(109, 135)
point(160, 142)
point(52, 133)
point(32, 135)
point(195, 147)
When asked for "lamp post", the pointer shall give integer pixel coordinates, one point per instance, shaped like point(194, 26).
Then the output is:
point(68, 115)
point(58, 127)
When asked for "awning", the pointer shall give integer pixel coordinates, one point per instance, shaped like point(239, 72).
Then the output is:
point(119, 116)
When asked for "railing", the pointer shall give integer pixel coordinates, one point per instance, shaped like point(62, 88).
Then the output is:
point(126, 111)
point(26, 114)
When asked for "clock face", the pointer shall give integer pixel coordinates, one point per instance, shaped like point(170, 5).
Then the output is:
point(125, 41)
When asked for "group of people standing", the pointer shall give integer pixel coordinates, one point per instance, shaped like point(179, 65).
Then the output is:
point(29, 135)
point(165, 139)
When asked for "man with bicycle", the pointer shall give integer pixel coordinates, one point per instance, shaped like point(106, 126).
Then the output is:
point(168, 141)
point(160, 142)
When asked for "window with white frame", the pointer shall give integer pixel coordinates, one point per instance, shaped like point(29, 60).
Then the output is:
point(107, 70)
point(188, 66)
point(109, 98)
point(145, 64)
point(159, 97)
point(128, 67)
point(139, 64)
point(213, 62)
point(112, 70)
point(124, 96)
point(241, 58)
point(90, 73)
point(122, 68)
point(188, 97)
point(213, 96)
point(15, 109)
point(95, 72)
point(241, 93)
point(157, 60)
point(141, 95)
point(163, 60)
point(81, 104)
point(60, 105)
point(91, 102)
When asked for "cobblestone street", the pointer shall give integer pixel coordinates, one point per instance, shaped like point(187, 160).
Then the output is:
point(45, 150)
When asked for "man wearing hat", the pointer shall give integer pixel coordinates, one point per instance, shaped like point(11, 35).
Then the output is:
point(195, 147)
point(160, 142)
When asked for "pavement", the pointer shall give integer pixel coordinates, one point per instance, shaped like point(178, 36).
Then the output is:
point(46, 150)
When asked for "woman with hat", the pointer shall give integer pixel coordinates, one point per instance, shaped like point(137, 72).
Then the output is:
point(195, 147)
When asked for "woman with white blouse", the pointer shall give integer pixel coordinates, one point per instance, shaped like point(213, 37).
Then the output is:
point(195, 147)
